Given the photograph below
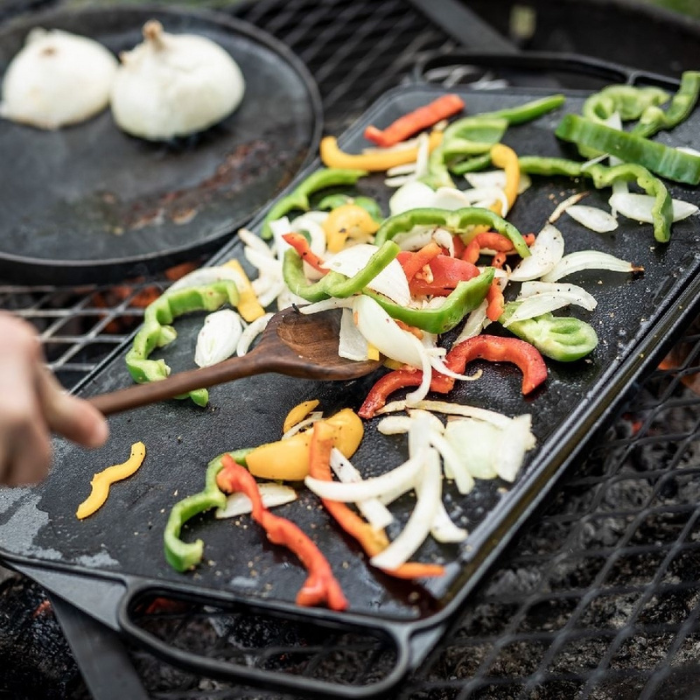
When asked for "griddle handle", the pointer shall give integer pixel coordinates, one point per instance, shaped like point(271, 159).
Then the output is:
point(399, 636)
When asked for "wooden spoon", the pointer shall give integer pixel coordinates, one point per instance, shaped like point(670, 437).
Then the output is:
point(293, 343)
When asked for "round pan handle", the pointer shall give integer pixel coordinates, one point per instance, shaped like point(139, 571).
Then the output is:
point(397, 636)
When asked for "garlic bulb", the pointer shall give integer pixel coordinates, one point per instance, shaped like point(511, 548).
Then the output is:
point(56, 79)
point(174, 85)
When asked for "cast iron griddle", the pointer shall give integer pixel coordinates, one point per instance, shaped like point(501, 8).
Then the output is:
point(123, 541)
point(89, 202)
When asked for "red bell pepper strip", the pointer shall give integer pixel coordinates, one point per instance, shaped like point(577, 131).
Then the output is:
point(371, 540)
point(445, 274)
point(413, 262)
point(321, 586)
point(496, 302)
point(499, 260)
point(496, 349)
point(487, 239)
point(301, 245)
point(413, 122)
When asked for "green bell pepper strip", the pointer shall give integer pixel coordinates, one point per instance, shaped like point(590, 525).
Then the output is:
point(186, 555)
point(527, 112)
point(654, 119)
point(465, 298)
point(473, 135)
point(628, 101)
point(471, 165)
point(333, 201)
point(334, 284)
point(299, 198)
point(157, 333)
point(561, 338)
point(456, 222)
point(603, 176)
point(660, 159)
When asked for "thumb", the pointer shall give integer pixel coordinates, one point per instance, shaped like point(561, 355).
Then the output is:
point(69, 416)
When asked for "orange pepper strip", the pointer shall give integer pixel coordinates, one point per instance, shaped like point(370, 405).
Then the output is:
point(333, 157)
point(496, 302)
point(301, 245)
point(499, 260)
point(413, 122)
point(371, 540)
point(320, 586)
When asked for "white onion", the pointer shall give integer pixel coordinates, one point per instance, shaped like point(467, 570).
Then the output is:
point(249, 334)
point(422, 157)
point(303, 424)
point(451, 198)
point(445, 240)
point(264, 263)
point(476, 442)
point(413, 195)
point(174, 85)
point(57, 79)
point(563, 206)
point(511, 453)
point(205, 275)
point(476, 321)
point(496, 178)
point(419, 523)
point(545, 254)
point(275, 290)
point(406, 169)
point(541, 297)
point(531, 289)
point(352, 345)
point(587, 260)
point(254, 241)
point(402, 478)
point(373, 510)
point(415, 239)
point(218, 338)
point(638, 207)
point(391, 281)
point(592, 218)
point(454, 466)
point(271, 493)
point(326, 305)
point(497, 419)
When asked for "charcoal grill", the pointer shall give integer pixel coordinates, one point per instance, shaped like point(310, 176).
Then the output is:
point(600, 597)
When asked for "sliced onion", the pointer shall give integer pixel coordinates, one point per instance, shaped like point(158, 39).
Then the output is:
point(455, 468)
point(543, 303)
point(413, 195)
point(280, 227)
point(477, 443)
point(422, 157)
point(401, 478)
point(545, 254)
point(205, 275)
point(273, 292)
point(218, 338)
point(381, 330)
point(250, 333)
point(587, 260)
point(638, 207)
point(254, 241)
point(303, 424)
point(445, 240)
point(452, 199)
point(476, 321)
point(512, 450)
point(406, 169)
point(496, 178)
point(352, 345)
point(563, 206)
point(415, 239)
point(592, 218)
point(271, 493)
point(264, 263)
point(419, 523)
point(531, 289)
point(497, 419)
point(687, 149)
point(391, 281)
point(373, 510)
point(285, 298)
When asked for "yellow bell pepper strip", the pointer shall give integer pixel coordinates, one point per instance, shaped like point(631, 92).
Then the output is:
point(288, 460)
point(299, 198)
point(157, 333)
point(663, 160)
point(376, 161)
point(298, 413)
point(103, 480)
point(334, 284)
point(372, 541)
point(182, 555)
point(506, 158)
point(458, 222)
point(348, 221)
point(465, 298)
point(248, 305)
point(321, 586)
point(602, 176)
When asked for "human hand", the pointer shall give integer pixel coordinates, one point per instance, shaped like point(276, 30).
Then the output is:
point(33, 404)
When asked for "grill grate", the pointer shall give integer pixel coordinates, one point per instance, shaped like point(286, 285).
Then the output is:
point(598, 599)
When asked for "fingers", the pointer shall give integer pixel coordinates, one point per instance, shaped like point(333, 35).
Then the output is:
point(70, 416)
point(25, 450)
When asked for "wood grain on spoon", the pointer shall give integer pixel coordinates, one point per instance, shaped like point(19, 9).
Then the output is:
point(293, 344)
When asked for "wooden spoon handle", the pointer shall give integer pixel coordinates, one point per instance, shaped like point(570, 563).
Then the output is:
point(181, 383)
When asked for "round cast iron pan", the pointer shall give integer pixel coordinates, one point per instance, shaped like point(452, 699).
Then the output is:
point(89, 203)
